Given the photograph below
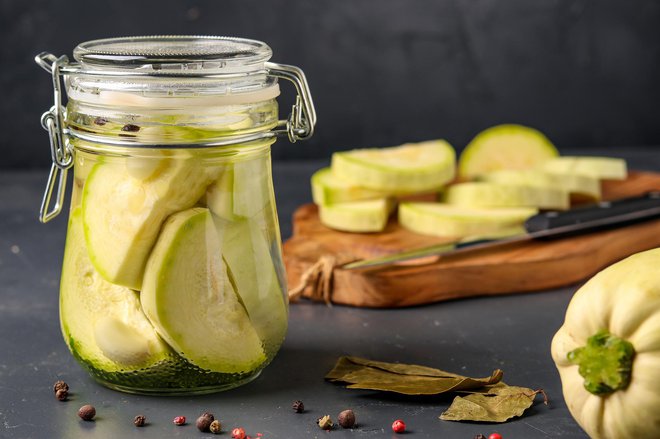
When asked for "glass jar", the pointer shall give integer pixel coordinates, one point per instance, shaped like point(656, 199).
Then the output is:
point(172, 279)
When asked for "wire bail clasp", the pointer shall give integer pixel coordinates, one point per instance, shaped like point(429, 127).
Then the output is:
point(61, 154)
point(302, 120)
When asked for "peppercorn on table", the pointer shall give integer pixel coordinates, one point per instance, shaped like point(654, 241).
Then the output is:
point(469, 337)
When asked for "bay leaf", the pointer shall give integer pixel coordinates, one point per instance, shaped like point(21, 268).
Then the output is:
point(497, 403)
point(343, 367)
point(407, 379)
point(401, 368)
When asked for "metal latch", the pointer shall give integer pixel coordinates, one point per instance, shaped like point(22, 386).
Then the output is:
point(60, 151)
point(302, 120)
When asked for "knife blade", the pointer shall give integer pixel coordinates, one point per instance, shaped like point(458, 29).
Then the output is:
point(544, 226)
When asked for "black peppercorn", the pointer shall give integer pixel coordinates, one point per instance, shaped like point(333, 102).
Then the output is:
point(298, 406)
point(204, 421)
point(129, 127)
point(346, 419)
point(87, 412)
point(480, 436)
point(60, 385)
point(100, 121)
point(61, 395)
point(139, 420)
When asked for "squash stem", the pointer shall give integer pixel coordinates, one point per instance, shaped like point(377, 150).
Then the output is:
point(605, 363)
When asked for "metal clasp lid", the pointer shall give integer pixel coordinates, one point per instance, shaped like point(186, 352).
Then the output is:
point(302, 120)
point(61, 154)
point(298, 126)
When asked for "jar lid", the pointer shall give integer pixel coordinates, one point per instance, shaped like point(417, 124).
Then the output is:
point(165, 71)
point(174, 54)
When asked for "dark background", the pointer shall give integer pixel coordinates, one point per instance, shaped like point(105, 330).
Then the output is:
point(382, 72)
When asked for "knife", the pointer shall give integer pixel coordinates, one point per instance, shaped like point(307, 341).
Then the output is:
point(544, 226)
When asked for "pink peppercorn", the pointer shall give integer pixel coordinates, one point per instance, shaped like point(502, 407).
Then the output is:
point(238, 433)
point(398, 426)
point(179, 420)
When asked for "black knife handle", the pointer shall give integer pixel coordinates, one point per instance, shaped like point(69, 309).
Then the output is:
point(628, 210)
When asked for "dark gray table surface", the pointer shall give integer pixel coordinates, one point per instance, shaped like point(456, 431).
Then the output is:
point(471, 336)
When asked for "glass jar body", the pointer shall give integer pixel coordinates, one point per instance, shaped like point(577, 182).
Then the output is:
point(172, 278)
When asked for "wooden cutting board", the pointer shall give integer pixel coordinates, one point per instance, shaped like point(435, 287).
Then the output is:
point(314, 252)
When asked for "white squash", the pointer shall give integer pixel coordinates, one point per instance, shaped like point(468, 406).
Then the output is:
point(608, 351)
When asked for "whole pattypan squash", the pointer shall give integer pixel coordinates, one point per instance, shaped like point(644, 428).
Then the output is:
point(608, 351)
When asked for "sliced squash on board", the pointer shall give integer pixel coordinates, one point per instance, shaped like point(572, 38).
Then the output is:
point(327, 188)
point(505, 147)
point(484, 194)
point(604, 168)
point(412, 167)
point(440, 219)
point(584, 186)
point(357, 216)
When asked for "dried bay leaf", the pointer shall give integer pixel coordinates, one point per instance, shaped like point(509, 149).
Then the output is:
point(407, 379)
point(487, 399)
point(419, 385)
point(400, 368)
point(497, 403)
point(343, 367)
